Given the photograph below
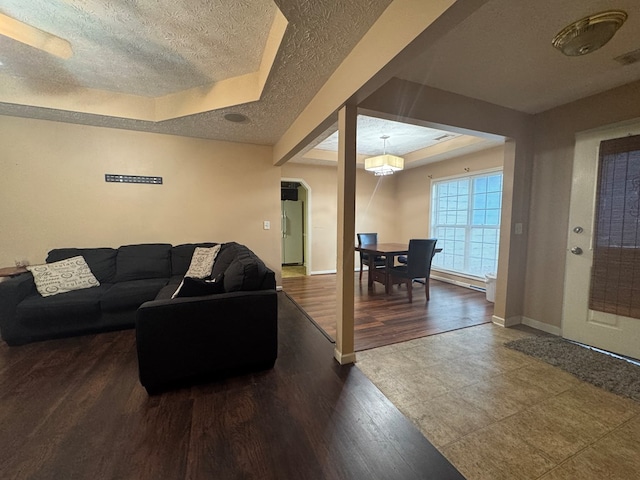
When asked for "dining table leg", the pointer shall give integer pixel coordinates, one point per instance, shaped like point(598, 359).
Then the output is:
point(372, 265)
point(387, 273)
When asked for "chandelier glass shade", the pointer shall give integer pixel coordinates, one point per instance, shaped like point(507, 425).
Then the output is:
point(384, 164)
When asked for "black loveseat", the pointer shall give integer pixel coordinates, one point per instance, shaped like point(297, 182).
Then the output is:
point(177, 339)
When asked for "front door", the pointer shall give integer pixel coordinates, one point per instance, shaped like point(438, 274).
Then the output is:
point(601, 296)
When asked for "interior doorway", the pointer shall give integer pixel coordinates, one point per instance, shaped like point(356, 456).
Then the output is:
point(294, 199)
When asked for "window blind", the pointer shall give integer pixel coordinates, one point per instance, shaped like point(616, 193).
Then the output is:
point(615, 273)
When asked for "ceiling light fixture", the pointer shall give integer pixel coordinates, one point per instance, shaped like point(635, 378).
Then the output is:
point(34, 37)
point(589, 33)
point(384, 164)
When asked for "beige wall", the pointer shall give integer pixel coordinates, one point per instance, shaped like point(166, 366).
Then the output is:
point(322, 202)
point(414, 194)
point(376, 206)
point(551, 190)
point(54, 193)
point(375, 209)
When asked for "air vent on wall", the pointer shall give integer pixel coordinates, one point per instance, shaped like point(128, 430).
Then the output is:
point(444, 137)
point(629, 57)
point(117, 178)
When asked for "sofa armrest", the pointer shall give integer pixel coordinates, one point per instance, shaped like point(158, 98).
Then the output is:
point(12, 292)
point(183, 339)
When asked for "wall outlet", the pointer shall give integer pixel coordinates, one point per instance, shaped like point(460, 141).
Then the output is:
point(266, 225)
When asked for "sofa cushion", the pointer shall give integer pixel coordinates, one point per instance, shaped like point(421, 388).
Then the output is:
point(101, 261)
point(63, 276)
point(246, 272)
point(181, 256)
point(131, 294)
point(71, 307)
point(226, 256)
point(137, 262)
point(167, 291)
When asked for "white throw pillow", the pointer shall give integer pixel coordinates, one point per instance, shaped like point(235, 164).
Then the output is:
point(63, 276)
point(201, 264)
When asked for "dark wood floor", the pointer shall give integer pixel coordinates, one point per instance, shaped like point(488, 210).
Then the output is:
point(73, 409)
point(382, 319)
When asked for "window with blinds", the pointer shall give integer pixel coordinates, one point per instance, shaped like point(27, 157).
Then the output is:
point(615, 273)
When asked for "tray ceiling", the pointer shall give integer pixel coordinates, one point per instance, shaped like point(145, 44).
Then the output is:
point(139, 48)
point(118, 47)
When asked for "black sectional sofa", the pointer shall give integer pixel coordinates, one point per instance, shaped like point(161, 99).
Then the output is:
point(178, 339)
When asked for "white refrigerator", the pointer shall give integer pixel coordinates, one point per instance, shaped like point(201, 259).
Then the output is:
point(292, 232)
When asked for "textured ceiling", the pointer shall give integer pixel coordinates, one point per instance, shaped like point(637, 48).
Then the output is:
point(139, 48)
point(319, 36)
point(418, 145)
point(403, 137)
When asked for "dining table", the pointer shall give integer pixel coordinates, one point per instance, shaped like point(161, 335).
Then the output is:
point(389, 251)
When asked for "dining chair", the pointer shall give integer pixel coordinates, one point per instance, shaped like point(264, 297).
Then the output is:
point(403, 258)
point(418, 265)
point(367, 239)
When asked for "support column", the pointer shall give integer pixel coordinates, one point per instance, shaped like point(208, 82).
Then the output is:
point(345, 347)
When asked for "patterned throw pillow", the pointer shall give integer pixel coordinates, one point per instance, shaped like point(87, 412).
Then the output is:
point(63, 276)
point(201, 265)
point(202, 262)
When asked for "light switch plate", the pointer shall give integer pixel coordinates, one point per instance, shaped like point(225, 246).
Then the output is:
point(266, 225)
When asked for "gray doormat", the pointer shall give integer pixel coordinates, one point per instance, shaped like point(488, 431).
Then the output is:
point(613, 374)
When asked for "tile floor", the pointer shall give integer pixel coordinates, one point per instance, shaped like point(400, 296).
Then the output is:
point(293, 271)
point(499, 414)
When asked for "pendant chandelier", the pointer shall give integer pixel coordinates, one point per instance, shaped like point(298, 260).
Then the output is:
point(384, 164)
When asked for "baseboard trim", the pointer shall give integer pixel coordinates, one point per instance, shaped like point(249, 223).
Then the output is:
point(545, 327)
point(323, 272)
point(344, 359)
point(497, 321)
point(509, 322)
point(457, 283)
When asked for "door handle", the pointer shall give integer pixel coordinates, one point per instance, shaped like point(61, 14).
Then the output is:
point(283, 223)
point(576, 251)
